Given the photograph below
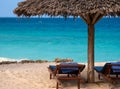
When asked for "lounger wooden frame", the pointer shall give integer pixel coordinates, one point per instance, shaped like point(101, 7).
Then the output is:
point(108, 73)
point(67, 76)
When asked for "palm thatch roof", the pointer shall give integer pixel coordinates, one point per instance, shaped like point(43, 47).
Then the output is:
point(68, 7)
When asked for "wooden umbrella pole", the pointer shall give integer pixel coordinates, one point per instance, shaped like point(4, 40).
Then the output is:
point(90, 72)
point(91, 33)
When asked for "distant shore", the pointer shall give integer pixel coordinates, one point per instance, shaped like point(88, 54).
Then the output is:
point(9, 61)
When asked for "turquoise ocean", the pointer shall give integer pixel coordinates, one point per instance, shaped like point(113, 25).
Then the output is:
point(50, 38)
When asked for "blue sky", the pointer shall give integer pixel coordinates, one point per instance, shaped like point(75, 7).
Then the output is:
point(7, 7)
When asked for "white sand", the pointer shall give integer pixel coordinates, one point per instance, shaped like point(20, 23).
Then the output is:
point(36, 76)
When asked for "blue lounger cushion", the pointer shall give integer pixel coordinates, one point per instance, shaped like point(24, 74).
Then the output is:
point(116, 68)
point(69, 70)
point(64, 70)
point(68, 63)
point(99, 68)
point(52, 67)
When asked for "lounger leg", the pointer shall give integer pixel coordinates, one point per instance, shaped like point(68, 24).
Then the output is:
point(50, 76)
point(57, 85)
point(68, 75)
point(116, 75)
point(99, 76)
point(78, 83)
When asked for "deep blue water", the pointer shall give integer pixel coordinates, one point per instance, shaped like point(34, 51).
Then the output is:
point(50, 38)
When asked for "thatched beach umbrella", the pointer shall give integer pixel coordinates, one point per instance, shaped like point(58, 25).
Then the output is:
point(90, 11)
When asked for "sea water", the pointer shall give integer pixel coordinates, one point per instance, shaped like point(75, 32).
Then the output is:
point(50, 38)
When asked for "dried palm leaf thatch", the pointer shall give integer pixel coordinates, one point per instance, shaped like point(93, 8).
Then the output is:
point(67, 7)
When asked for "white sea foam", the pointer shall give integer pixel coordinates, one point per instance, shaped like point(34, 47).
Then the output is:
point(10, 59)
point(22, 59)
point(6, 59)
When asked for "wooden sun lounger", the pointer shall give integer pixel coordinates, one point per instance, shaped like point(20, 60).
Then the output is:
point(110, 71)
point(68, 72)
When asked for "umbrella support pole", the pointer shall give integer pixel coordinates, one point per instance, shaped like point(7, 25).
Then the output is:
point(90, 72)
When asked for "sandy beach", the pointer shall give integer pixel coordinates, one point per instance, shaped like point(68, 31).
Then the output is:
point(36, 76)
point(37, 33)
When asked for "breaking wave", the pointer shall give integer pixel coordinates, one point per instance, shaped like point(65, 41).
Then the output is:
point(11, 59)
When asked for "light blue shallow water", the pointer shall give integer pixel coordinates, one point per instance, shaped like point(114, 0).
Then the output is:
point(49, 38)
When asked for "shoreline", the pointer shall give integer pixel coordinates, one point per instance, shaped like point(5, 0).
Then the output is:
point(4, 60)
